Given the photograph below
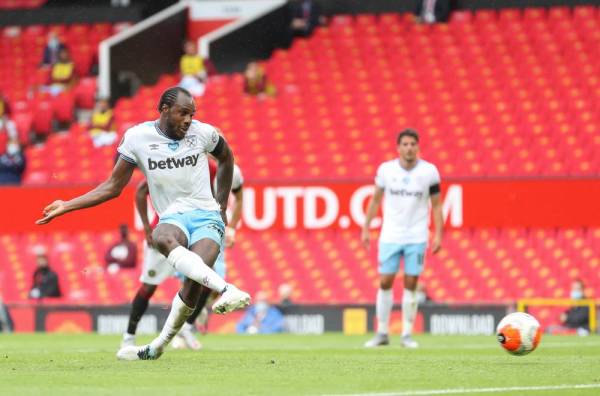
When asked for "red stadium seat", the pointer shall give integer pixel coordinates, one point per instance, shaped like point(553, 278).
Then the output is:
point(461, 17)
point(23, 123)
point(42, 116)
point(85, 93)
point(63, 106)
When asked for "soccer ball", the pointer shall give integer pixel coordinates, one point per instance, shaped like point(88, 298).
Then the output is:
point(519, 333)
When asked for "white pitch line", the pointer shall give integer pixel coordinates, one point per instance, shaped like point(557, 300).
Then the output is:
point(567, 344)
point(491, 345)
point(458, 391)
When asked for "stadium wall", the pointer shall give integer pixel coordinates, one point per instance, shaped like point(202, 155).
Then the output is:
point(469, 203)
point(467, 319)
point(479, 4)
point(148, 7)
point(332, 7)
point(89, 11)
point(56, 15)
point(82, 11)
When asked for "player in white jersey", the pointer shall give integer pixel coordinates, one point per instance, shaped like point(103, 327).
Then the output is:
point(172, 153)
point(408, 183)
point(156, 268)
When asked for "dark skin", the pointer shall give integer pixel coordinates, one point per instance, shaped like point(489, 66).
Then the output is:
point(174, 121)
point(141, 193)
point(142, 206)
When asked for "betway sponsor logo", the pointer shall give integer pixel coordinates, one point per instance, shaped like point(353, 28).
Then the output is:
point(173, 163)
point(318, 207)
point(406, 193)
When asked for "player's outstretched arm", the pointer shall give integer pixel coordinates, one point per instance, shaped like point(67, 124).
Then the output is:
point(236, 215)
point(365, 236)
point(225, 159)
point(438, 223)
point(107, 190)
point(141, 204)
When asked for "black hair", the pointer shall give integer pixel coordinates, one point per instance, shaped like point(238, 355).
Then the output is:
point(169, 97)
point(408, 132)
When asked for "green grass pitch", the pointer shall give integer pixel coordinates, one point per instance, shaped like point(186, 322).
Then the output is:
point(333, 364)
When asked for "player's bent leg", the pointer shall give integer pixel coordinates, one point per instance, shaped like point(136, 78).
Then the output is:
point(186, 334)
point(206, 250)
point(205, 294)
point(179, 312)
point(154, 271)
point(185, 338)
point(414, 261)
point(385, 302)
point(389, 255)
point(231, 298)
point(409, 310)
point(383, 309)
point(168, 237)
point(139, 305)
point(170, 240)
point(183, 303)
point(409, 313)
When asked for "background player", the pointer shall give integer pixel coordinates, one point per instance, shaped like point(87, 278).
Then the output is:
point(172, 151)
point(156, 269)
point(408, 183)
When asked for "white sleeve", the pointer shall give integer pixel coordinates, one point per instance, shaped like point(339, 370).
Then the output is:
point(435, 176)
point(126, 148)
point(209, 138)
point(380, 177)
point(238, 178)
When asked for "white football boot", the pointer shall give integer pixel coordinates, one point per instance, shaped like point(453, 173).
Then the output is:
point(408, 342)
point(378, 340)
point(231, 300)
point(144, 352)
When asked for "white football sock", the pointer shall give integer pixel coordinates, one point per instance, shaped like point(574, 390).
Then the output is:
point(409, 311)
point(187, 326)
point(192, 266)
point(385, 301)
point(179, 313)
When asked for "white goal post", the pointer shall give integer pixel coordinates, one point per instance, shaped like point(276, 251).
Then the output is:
point(242, 13)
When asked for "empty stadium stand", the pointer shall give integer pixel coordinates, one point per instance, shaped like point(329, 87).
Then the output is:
point(330, 266)
point(506, 94)
point(501, 94)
